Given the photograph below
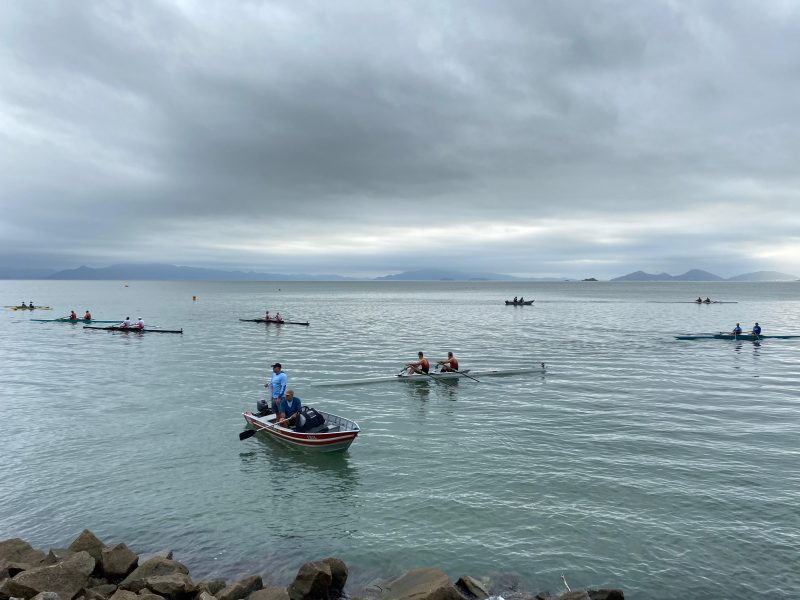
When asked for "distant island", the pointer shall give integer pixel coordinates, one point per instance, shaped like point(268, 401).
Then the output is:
point(167, 272)
point(698, 275)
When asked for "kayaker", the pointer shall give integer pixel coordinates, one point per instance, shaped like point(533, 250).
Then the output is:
point(737, 330)
point(278, 383)
point(277, 318)
point(126, 323)
point(73, 316)
point(756, 329)
point(139, 324)
point(87, 316)
point(289, 410)
point(448, 364)
point(419, 366)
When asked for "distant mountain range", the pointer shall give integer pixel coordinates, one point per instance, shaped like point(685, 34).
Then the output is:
point(162, 272)
point(698, 275)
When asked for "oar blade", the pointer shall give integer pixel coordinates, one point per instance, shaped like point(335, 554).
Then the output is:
point(246, 434)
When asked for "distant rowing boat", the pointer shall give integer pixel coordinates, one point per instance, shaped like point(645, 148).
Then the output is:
point(271, 322)
point(29, 307)
point(134, 329)
point(524, 303)
point(691, 302)
point(730, 336)
point(71, 321)
point(429, 376)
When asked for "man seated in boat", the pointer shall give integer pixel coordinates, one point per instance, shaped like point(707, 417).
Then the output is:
point(707, 300)
point(448, 364)
point(419, 366)
point(756, 329)
point(515, 299)
point(126, 323)
point(278, 318)
point(139, 324)
point(289, 410)
point(73, 316)
point(267, 317)
point(521, 300)
point(699, 300)
point(737, 330)
point(87, 316)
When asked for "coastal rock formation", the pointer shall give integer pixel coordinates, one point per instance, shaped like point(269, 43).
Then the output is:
point(75, 574)
point(421, 584)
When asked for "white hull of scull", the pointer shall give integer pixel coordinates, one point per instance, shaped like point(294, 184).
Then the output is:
point(445, 376)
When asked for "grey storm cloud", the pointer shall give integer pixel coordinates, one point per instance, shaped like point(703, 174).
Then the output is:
point(539, 138)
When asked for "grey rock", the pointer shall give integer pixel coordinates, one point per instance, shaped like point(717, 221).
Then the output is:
point(118, 562)
point(57, 555)
point(9, 569)
point(270, 593)
point(421, 584)
point(46, 596)
point(205, 596)
point(339, 574)
point(606, 594)
point(211, 586)
point(66, 578)
point(100, 592)
point(150, 596)
point(16, 550)
point(88, 542)
point(162, 554)
point(174, 585)
point(151, 568)
point(124, 595)
point(313, 582)
point(574, 595)
point(471, 587)
point(240, 589)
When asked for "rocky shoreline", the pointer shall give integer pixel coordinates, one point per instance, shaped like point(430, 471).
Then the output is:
point(90, 570)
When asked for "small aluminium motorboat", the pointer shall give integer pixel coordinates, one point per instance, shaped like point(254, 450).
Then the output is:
point(335, 434)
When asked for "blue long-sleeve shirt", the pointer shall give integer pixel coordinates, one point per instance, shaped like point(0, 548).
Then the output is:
point(278, 385)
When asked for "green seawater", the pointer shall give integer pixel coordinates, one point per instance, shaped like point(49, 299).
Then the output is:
point(667, 468)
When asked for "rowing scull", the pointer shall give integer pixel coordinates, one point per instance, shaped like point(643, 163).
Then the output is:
point(429, 376)
point(134, 329)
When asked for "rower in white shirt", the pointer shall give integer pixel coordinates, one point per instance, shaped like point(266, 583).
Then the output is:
point(140, 324)
point(126, 323)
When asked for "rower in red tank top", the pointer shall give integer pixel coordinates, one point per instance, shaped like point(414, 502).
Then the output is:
point(449, 364)
point(419, 366)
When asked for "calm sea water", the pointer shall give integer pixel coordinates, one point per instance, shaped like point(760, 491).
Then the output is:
point(663, 467)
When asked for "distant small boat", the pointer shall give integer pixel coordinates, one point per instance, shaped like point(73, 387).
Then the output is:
point(134, 329)
point(29, 308)
point(435, 375)
point(745, 337)
point(65, 320)
point(273, 322)
point(518, 303)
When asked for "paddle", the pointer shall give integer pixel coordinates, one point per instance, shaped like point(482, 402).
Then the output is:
point(246, 434)
point(465, 375)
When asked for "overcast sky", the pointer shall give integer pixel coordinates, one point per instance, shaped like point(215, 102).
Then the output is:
point(542, 138)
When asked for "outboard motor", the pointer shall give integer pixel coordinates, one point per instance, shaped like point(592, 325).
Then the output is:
point(263, 407)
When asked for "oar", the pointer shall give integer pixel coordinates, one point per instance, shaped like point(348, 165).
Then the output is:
point(247, 433)
point(465, 375)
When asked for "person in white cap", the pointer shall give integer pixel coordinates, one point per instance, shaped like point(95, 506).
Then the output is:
point(140, 323)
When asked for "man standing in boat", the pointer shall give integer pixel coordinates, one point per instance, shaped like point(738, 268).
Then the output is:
point(278, 384)
point(419, 366)
point(449, 364)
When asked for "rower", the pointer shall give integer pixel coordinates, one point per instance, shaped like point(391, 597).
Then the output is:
point(699, 300)
point(419, 366)
point(521, 300)
point(449, 364)
point(277, 318)
point(73, 316)
point(756, 329)
point(266, 317)
point(515, 299)
point(126, 323)
point(87, 316)
point(737, 330)
point(707, 300)
point(139, 324)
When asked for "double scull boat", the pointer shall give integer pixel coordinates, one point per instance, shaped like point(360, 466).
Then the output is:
point(272, 322)
point(134, 329)
point(745, 337)
point(67, 320)
point(437, 375)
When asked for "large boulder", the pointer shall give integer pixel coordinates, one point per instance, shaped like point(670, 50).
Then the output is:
point(16, 550)
point(574, 595)
point(99, 592)
point(339, 574)
point(269, 593)
point(240, 589)
point(174, 585)
point(118, 562)
point(154, 567)
point(421, 584)
point(56, 555)
point(211, 586)
point(313, 582)
point(46, 596)
point(88, 542)
point(124, 595)
point(204, 595)
point(66, 578)
point(606, 594)
point(471, 588)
